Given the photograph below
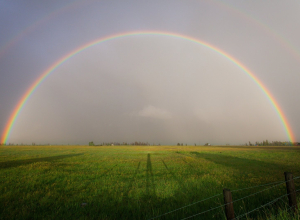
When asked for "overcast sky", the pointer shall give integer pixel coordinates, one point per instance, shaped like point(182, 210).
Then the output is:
point(159, 89)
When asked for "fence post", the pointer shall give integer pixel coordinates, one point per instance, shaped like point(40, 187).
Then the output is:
point(228, 204)
point(291, 191)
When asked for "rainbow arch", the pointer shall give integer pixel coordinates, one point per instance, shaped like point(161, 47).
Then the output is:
point(47, 72)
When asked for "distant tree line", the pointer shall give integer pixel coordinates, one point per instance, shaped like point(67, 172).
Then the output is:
point(138, 143)
point(12, 144)
point(181, 144)
point(273, 143)
point(26, 144)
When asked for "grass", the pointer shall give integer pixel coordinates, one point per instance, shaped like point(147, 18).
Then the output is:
point(141, 182)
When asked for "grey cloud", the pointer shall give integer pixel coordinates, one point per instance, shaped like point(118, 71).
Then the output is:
point(155, 112)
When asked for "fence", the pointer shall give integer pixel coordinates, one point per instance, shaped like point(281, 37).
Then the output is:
point(229, 204)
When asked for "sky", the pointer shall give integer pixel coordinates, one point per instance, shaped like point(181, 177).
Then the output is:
point(159, 89)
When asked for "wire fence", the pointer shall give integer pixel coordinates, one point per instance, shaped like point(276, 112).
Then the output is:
point(269, 203)
point(286, 210)
point(185, 206)
point(272, 184)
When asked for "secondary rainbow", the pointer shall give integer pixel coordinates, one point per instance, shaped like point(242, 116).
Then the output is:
point(47, 72)
point(77, 3)
point(37, 24)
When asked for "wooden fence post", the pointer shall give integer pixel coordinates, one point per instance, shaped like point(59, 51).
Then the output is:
point(228, 204)
point(291, 191)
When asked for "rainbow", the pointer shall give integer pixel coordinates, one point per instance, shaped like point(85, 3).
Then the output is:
point(276, 36)
point(77, 3)
point(47, 72)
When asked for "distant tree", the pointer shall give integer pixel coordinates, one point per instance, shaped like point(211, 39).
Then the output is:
point(91, 143)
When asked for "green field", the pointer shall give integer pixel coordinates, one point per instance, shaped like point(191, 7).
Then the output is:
point(141, 182)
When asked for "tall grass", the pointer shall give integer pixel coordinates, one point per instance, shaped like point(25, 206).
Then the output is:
point(132, 182)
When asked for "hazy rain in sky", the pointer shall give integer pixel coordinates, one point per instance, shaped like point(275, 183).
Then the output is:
point(150, 88)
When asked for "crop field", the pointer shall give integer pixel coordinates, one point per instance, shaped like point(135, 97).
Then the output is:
point(143, 182)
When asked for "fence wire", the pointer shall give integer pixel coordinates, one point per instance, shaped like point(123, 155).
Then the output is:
point(286, 210)
point(265, 205)
point(186, 206)
point(205, 211)
point(267, 184)
point(264, 189)
point(257, 192)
